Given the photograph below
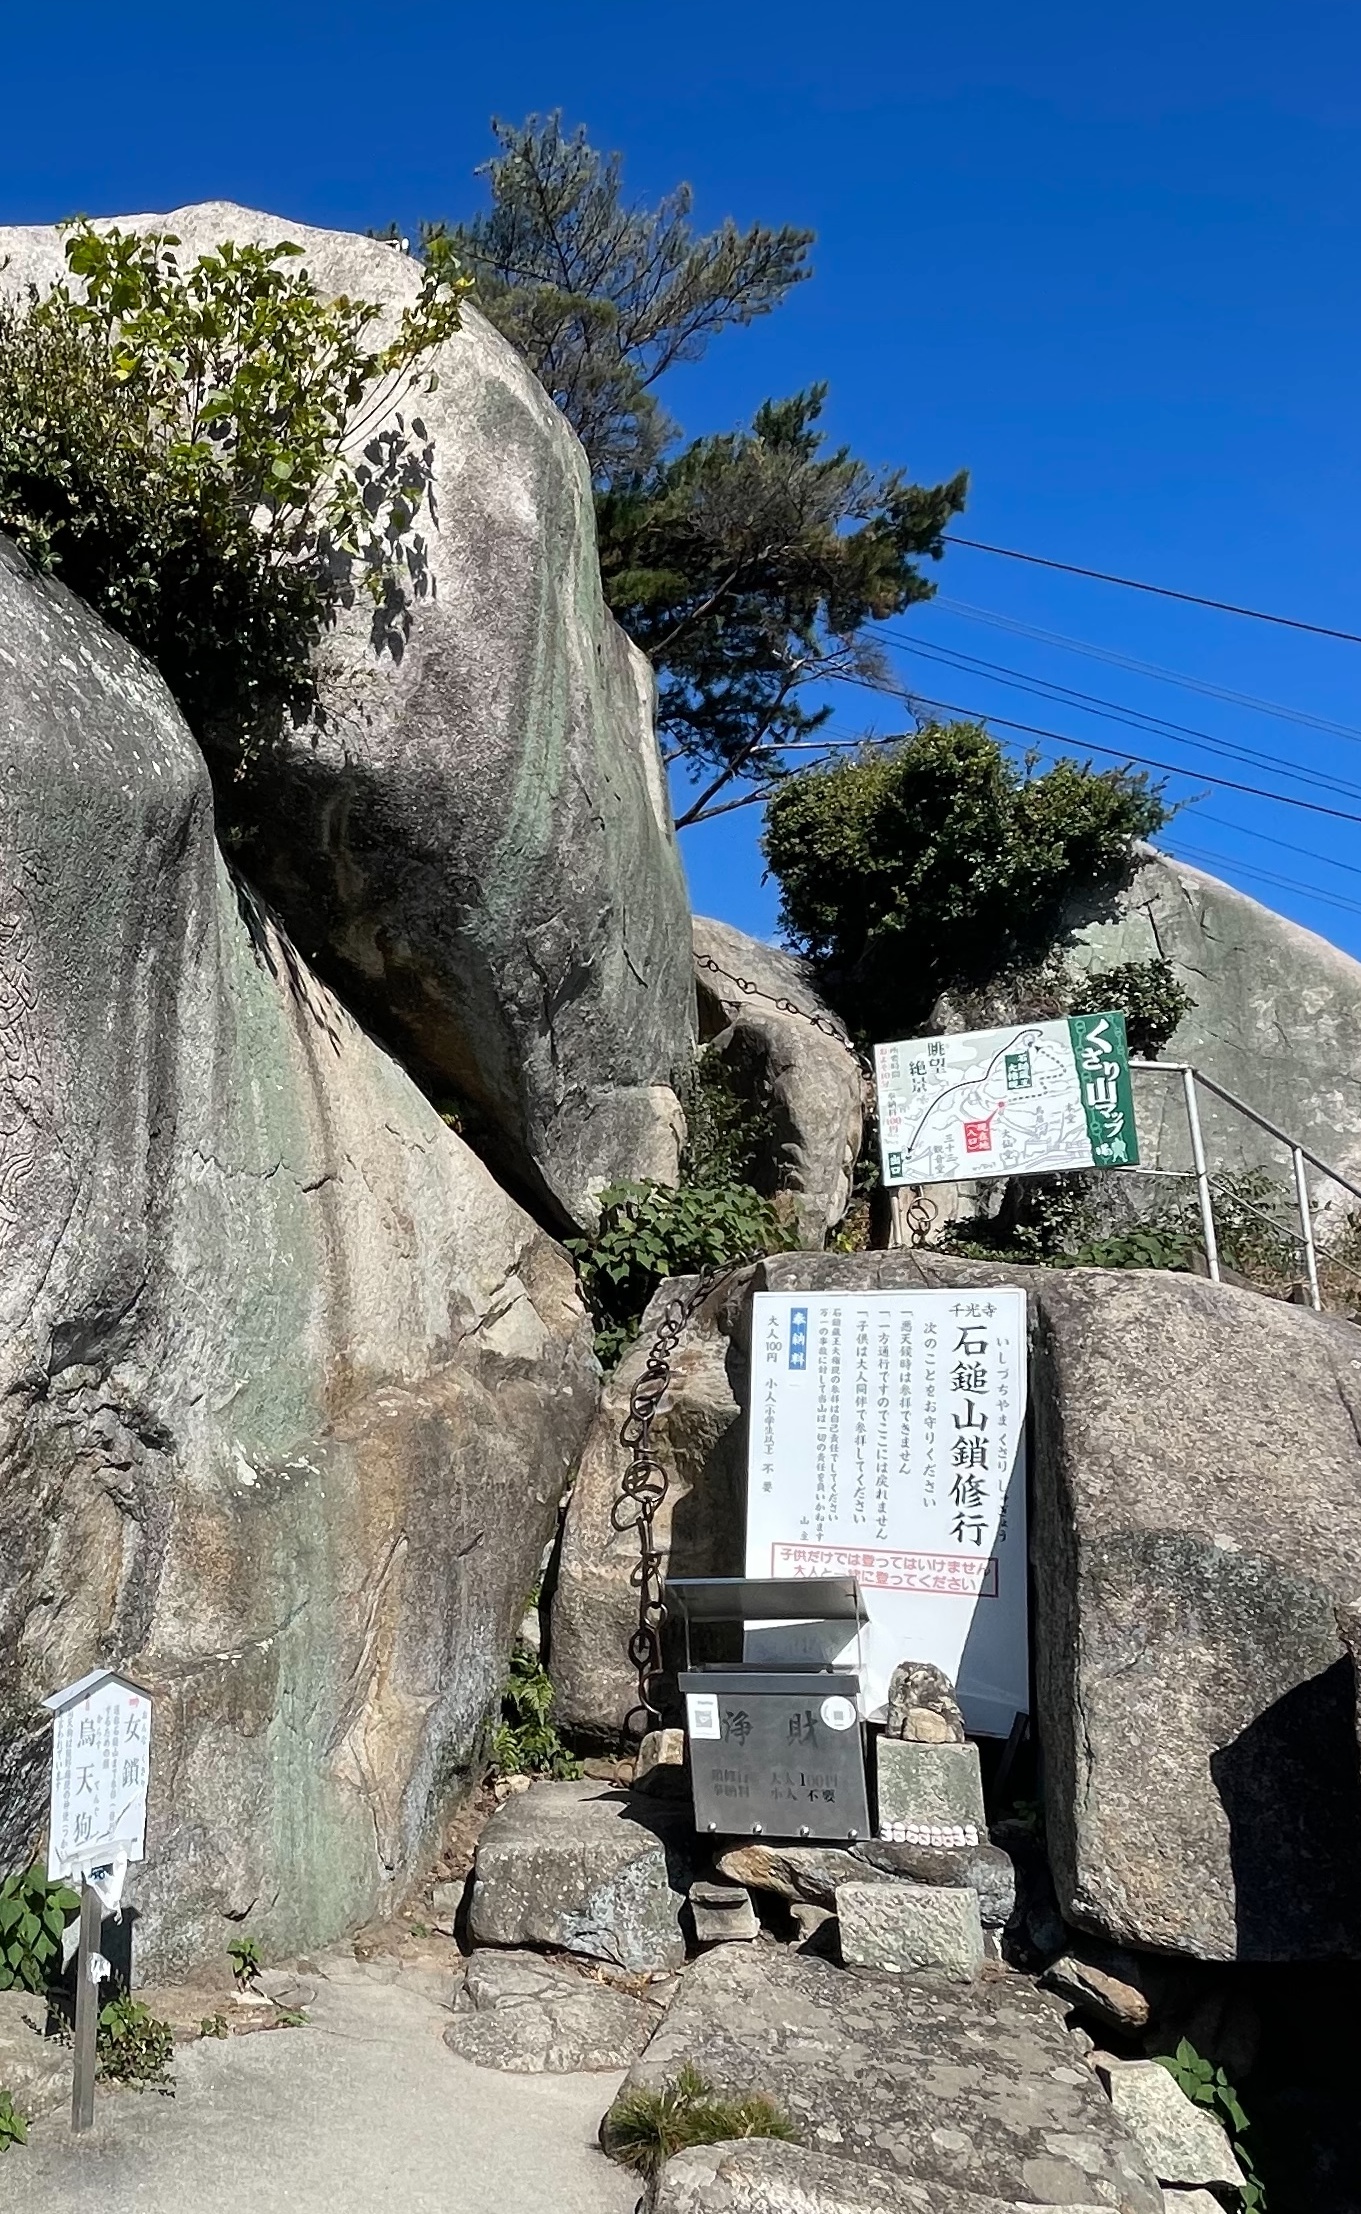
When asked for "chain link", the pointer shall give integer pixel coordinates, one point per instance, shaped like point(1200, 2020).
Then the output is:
point(644, 1485)
point(827, 1024)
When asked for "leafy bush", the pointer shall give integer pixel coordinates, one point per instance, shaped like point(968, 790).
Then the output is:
point(644, 2127)
point(33, 1914)
point(1145, 1248)
point(937, 863)
point(525, 1742)
point(1208, 2086)
point(13, 2124)
point(134, 2046)
point(649, 1232)
point(195, 451)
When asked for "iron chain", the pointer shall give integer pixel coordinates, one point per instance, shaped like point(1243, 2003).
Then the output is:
point(644, 1484)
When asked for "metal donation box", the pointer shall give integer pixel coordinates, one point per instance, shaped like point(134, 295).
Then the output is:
point(775, 1751)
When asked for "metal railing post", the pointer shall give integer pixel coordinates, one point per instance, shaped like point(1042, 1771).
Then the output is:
point(1306, 1228)
point(1207, 1220)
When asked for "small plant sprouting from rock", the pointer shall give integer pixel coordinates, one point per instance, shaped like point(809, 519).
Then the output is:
point(214, 2025)
point(33, 1914)
point(1208, 2086)
point(13, 2124)
point(645, 2127)
point(525, 1742)
point(134, 2046)
point(244, 1955)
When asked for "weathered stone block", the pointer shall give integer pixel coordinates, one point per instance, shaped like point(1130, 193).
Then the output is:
point(534, 2017)
point(1197, 1515)
point(1182, 2142)
point(903, 1927)
point(723, 1913)
point(890, 2075)
point(592, 1871)
point(812, 1872)
point(934, 1787)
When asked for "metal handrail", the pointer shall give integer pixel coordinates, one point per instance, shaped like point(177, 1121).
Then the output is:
point(1299, 1154)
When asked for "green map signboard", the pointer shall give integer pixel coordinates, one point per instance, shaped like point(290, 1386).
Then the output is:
point(1031, 1097)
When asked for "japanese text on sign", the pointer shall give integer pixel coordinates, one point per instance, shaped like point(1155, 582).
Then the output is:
point(897, 1456)
point(1032, 1097)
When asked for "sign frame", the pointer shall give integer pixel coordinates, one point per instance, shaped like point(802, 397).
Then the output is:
point(1024, 1099)
point(860, 1403)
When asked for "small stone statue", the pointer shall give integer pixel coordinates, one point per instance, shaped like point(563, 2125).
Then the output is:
point(922, 1706)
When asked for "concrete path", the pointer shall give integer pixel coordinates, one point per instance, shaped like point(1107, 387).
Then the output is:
point(364, 2110)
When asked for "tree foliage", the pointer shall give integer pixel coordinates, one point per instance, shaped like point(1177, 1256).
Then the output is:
point(750, 565)
point(932, 865)
point(747, 568)
point(196, 451)
point(602, 296)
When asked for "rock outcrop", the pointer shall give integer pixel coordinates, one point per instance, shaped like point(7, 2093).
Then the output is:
point(1276, 1019)
point(958, 2088)
point(1196, 1525)
point(288, 1386)
point(475, 844)
point(796, 1073)
point(1197, 1514)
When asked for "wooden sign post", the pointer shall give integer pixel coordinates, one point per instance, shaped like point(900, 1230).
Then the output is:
point(101, 1753)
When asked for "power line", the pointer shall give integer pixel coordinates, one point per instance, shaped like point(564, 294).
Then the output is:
point(1160, 591)
point(1308, 853)
point(1089, 745)
point(1266, 876)
point(1154, 669)
point(1090, 703)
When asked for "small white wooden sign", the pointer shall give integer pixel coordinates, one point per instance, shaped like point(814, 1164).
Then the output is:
point(887, 1442)
point(101, 1751)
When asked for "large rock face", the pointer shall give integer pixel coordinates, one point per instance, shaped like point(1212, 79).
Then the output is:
point(288, 1386)
point(796, 1070)
point(1197, 1516)
point(476, 845)
point(1195, 1526)
point(1276, 1020)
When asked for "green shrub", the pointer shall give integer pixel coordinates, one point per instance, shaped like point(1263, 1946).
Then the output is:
point(525, 1742)
point(13, 2124)
point(937, 864)
point(33, 1914)
point(1146, 1247)
point(644, 2128)
point(649, 1232)
point(195, 451)
point(134, 2046)
point(1208, 2086)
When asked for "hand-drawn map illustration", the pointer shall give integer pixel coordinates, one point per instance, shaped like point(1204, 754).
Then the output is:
point(1012, 1102)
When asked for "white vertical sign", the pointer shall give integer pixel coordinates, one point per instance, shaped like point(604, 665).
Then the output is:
point(101, 1750)
point(887, 1442)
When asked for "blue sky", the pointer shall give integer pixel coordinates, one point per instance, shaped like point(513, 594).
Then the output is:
point(1105, 259)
